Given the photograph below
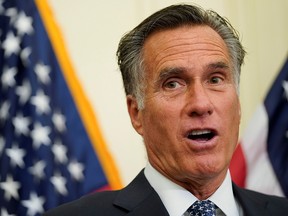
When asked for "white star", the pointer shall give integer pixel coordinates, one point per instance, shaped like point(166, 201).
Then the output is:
point(76, 169)
point(34, 204)
point(12, 13)
point(21, 124)
point(16, 155)
point(24, 55)
point(5, 213)
point(2, 144)
point(60, 152)
point(4, 110)
point(24, 92)
point(40, 135)
point(2, 9)
point(59, 183)
point(11, 44)
point(8, 77)
point(11, 188)
point(24, 24)
point(41, 101)
point(59, 121)
point(285, 86)
point(42, 72)
point(38, 170)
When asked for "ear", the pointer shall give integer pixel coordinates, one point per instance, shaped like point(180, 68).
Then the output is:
point(134, 113)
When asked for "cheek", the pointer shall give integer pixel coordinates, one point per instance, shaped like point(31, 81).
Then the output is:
point(232, 111)
point(233, 124)
point(160, 111)
point(230, 118)
point(159, 124)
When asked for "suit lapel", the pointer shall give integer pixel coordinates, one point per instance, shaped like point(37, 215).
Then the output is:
point(251, 203)
point(150, 207)
point(140, 199)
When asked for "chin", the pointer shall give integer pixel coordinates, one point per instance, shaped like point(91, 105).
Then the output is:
point(209, 166)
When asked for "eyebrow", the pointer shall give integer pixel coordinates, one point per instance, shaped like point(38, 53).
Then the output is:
point(218, 65)
point(175, 71)
point(168, 72)
point(171, 71)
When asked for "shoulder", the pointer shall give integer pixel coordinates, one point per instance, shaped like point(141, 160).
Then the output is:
point(252, 199)
point(260, 196)
point(100, 203)
point(137, 198)
point(109, 203)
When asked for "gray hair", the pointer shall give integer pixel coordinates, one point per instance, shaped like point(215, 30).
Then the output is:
point(129, 51)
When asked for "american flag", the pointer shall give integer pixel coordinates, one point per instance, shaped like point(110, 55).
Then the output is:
point(46, 155)
point(261, 160)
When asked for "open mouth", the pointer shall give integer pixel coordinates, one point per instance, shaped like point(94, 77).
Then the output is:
point(201, 135)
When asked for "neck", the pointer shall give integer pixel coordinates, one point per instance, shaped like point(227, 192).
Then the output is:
point(200, 187)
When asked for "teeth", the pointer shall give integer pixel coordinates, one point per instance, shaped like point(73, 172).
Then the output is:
point(199, 132)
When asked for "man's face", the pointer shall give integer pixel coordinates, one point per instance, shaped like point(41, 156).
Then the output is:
point(191, 114)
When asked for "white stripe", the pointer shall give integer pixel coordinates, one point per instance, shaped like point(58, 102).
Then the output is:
point(260, 175)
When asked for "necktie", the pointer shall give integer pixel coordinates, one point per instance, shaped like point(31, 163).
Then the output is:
point(202, 208)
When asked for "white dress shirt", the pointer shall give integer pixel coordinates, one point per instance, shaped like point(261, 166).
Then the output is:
point(177, 199)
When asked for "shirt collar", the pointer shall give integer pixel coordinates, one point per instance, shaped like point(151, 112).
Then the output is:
point(177, 199)
point(224, 197)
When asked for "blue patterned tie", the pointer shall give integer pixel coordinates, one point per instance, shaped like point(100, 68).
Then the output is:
point(202, 208)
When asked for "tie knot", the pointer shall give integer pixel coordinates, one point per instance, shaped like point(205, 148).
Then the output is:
point(202, 208)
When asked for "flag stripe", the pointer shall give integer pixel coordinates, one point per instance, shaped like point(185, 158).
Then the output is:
point(238, 167)
point(276, 104)
point(84, 108)
point(260, 174)
point(265, 142)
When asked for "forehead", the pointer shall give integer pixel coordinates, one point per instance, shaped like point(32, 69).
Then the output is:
point(187, 45)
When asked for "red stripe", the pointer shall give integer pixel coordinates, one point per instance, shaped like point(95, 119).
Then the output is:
point(238, 167)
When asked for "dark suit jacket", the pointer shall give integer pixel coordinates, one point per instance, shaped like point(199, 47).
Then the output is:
point(140, 199)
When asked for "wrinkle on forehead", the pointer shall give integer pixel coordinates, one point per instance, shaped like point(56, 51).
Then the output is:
point(168, 45)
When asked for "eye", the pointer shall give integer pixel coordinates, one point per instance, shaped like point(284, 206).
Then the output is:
point(216, 80)
point(172, 84)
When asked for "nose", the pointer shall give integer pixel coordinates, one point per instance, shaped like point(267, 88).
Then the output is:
point(198, 101)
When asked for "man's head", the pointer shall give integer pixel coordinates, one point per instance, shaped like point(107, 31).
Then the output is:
point(182, 92)
point(130, 49)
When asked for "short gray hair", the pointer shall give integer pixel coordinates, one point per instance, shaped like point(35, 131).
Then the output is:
point(129, 51)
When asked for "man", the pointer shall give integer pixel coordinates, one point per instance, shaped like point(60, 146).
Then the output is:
point(181, 69)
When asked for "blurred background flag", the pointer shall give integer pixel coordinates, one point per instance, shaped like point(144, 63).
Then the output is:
point(51, 148)
point(261, 159)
